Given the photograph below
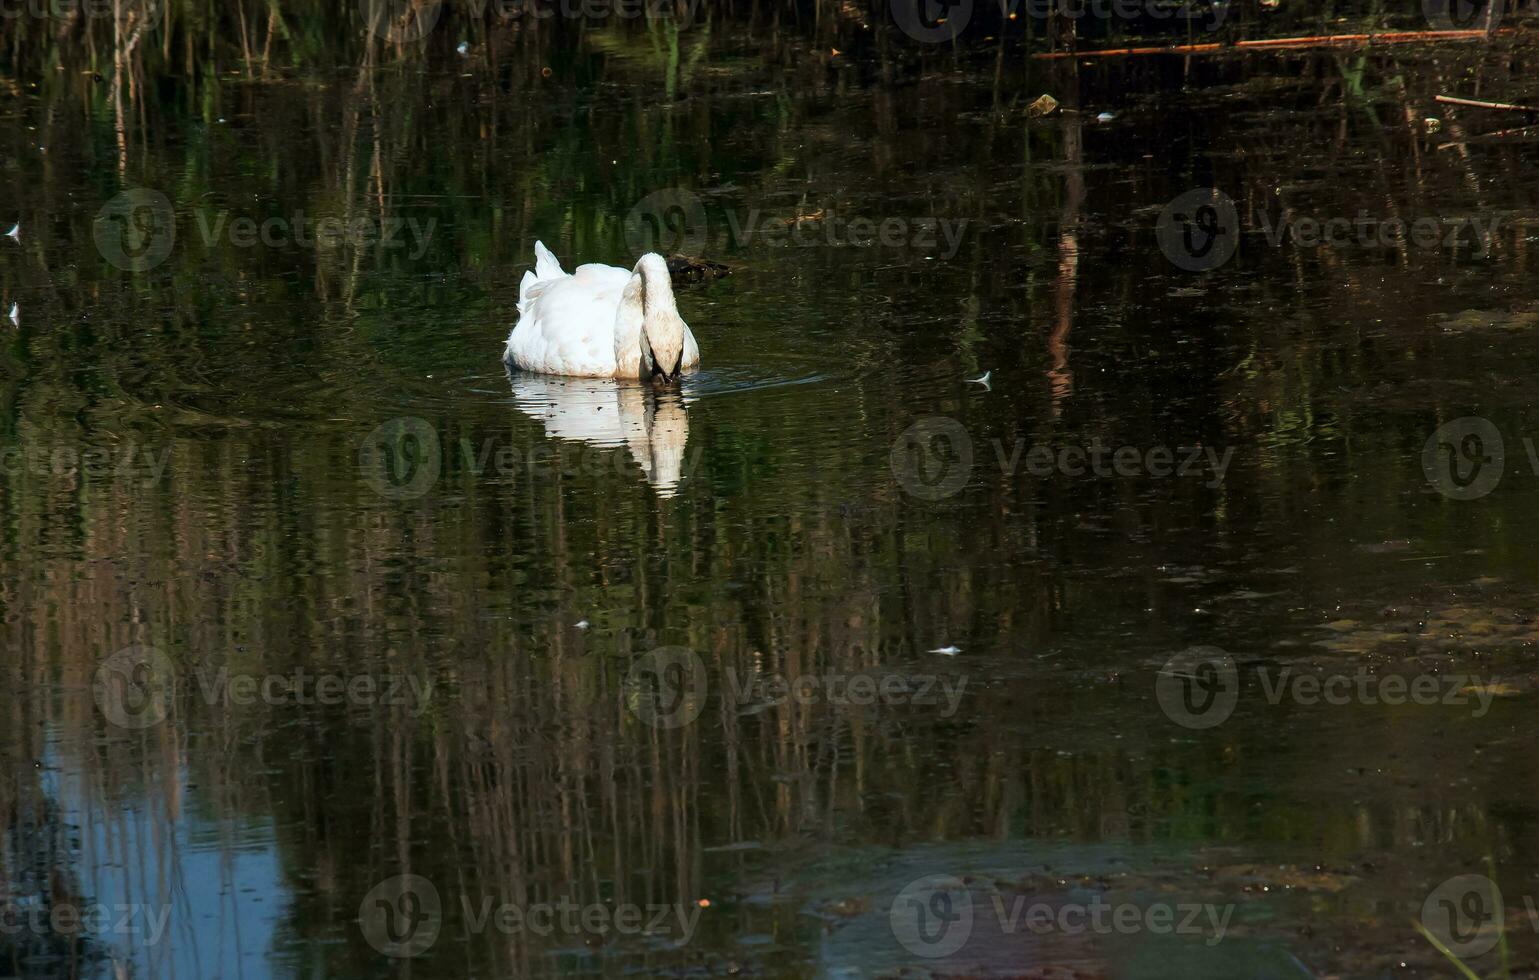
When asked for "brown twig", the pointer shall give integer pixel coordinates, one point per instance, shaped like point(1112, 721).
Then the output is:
point(1477, 104)
point(1321, 40)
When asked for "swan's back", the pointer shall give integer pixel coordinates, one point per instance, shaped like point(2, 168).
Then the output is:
point(566, 323)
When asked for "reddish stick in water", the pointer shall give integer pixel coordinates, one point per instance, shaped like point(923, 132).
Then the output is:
point(1474, 103)
point(1322, 40)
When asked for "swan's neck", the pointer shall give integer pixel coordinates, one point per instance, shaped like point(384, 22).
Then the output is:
point(649, 331)
point(657, 288)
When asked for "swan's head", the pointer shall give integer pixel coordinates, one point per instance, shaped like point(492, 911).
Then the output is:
point(662, 329)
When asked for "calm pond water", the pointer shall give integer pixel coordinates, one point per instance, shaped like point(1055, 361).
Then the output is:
point(832, 663)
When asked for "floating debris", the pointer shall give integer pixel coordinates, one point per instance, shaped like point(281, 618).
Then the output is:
point(1104, 117)
point(582, 624)
point(982, 381)
point(1043, 106)
point(684, 268)
point(15, 233)
point(951, 651)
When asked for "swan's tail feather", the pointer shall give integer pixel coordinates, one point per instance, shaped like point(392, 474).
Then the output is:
point(545, 264)
point(545, 267)
point(523, 292)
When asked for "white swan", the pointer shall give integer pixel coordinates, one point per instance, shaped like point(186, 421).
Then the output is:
point(600, 322)
point(601, 412)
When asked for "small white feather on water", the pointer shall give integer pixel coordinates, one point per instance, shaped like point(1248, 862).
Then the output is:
point(947, 651)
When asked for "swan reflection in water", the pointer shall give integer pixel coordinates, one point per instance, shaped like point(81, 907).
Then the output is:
point(650, 422)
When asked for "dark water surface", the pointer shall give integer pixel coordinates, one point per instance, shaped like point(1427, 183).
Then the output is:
point(253, 474)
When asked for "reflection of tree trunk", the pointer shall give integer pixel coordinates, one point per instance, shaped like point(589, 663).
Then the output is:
point(119, 57)
point(1059, 375)
point(129, 20)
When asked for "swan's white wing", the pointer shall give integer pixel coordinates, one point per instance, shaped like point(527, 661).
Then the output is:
point(691, 358)
point(566, 324)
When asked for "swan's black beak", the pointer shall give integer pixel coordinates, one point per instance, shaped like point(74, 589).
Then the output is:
point(662, 377)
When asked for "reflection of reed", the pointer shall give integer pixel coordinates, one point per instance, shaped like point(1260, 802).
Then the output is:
point(529, 780)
